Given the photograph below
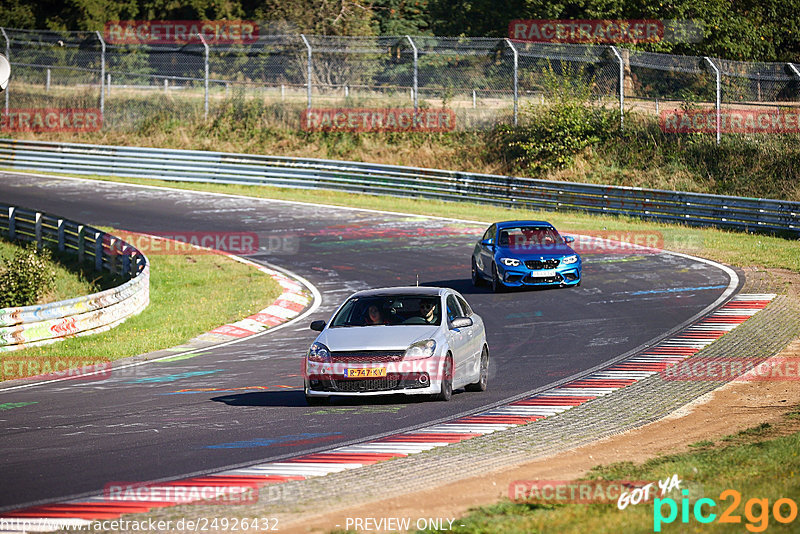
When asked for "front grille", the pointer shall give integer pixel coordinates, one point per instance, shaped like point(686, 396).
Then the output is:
point(536, 265)
point(392, 381)
point(536, 280)
point(367, 356)
point(369, 384)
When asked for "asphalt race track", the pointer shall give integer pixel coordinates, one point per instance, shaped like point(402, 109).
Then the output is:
point(150, 422)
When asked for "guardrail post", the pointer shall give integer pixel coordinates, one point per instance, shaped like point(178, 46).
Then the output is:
point(621, 86)
point(37, 225)
point(61, 241)
point(8, 57)
point(308, 70)
point(12, 223)
point(205, 76)
point(719, 96)
point(98, 251)
point(81, 243)
point(126, 261)
point(416, 72)
point(113, 255)
point(102, 76)
point(135, 265)
point(516, 79)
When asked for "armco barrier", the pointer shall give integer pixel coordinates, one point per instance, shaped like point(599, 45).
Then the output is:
point(748, 214)
point(36, 325)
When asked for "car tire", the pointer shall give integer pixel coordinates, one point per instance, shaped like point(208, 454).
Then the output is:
point(497, 285)
point(477, 279)
point(483, 378)
point(447, 380)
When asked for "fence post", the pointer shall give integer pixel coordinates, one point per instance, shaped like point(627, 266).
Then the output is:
point(308, 71)
point(621, 86)
point(416, 72)
point(205, 76)
point(102, 77)
point(719, 95)
point(8, 57)
point(516, 79)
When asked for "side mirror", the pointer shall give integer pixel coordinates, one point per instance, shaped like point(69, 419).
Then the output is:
point(569, 239)
point(460, 322)
point(488, 242)
point(318, 326)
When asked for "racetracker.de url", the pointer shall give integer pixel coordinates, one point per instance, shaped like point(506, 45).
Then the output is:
point(199, 524)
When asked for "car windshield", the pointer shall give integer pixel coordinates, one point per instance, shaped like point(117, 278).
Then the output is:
point(525, 237)
point(389, 310)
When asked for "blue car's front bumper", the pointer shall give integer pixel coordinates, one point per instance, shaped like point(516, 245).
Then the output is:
point(563, 275)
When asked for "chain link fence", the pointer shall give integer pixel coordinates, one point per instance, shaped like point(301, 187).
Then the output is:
point(485, 81)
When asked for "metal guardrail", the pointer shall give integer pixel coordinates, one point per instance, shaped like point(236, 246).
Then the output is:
point(22, 327)
point(740, 213)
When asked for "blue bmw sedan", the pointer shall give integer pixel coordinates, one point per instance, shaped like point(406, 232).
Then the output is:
point(525, 253)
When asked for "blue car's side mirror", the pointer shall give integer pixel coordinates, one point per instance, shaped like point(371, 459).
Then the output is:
point(488, 242)
point(569, 239)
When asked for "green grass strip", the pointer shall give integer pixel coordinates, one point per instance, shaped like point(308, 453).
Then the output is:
point(189, 295)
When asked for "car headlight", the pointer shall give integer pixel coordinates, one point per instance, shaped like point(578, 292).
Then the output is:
point(569, 259)
point(319, 353)
point(509, 262)
point(420, 350)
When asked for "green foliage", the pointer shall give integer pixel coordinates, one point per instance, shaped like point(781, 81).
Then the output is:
point(762, 30)
point(551, 134)
point(402, 17)
point(26, 277)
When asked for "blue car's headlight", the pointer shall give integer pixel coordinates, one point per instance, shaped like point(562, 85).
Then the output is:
point(569, 259)
point(420, 350)
point(319, 353)
point(509, 262)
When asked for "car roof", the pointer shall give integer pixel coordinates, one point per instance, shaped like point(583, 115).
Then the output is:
point(400, 291)
point(509, 224)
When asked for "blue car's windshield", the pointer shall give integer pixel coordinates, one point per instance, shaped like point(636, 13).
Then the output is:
point(526, 237)
point(389, 310)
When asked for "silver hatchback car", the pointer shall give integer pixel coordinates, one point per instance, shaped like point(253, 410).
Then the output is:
point(411, 340)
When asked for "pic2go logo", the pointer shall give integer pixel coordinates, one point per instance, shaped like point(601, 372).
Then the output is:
point(756, 511)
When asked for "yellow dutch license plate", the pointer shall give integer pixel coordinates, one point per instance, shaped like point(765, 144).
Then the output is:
point(369, 372)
